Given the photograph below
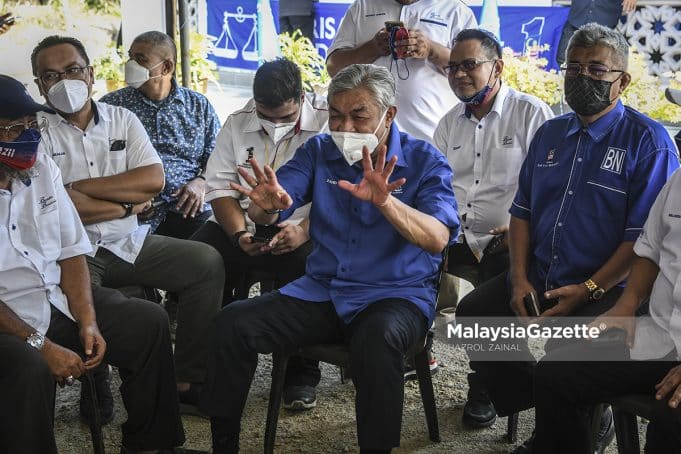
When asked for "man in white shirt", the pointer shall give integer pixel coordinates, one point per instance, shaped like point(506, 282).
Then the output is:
point(111, 172)
point(564, 389)
point(52, 326)
point(279, 119)
point(485, 138)
point(423, 95)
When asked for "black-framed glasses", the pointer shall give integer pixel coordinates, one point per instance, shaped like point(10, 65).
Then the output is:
point(74, 72)
point(595, 70)
point(11, 132)
point(466, 66)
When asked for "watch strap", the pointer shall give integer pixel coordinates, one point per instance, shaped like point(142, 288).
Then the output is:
point(128, 209)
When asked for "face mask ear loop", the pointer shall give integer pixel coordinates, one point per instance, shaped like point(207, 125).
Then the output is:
point(406, 67)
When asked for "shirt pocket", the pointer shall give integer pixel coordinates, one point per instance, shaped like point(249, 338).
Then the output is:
point(505, 166)
point(47, 225)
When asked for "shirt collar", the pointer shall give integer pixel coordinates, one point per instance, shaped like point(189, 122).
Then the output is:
point(394, 148)
point(599, 128)
point(56, 119)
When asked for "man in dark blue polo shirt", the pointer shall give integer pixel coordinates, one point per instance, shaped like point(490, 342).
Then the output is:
point(378, 230)
point(604, 12)
point(584, 193)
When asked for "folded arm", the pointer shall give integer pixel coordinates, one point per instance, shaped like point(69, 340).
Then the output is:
point(136, 185)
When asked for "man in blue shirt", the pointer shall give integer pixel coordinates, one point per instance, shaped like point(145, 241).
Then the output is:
point(182, 126)
point(604, 12)
point(584, 193)
point(378, 230)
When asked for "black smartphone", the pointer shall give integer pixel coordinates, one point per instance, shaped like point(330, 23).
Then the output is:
point(7, 20)
point(531, 305)
point(264, 233)
point(494, 245)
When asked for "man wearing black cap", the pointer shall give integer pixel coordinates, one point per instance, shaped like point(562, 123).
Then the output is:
point(52, 326)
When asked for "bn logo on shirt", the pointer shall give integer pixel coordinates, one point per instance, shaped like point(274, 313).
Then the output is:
point(613, 160)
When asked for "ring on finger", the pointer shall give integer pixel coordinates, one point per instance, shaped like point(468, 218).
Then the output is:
point(68, 381)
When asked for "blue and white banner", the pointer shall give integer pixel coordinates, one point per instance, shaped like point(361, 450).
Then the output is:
point(235, 24)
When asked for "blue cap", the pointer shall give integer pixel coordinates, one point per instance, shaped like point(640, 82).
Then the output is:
point(15, 102)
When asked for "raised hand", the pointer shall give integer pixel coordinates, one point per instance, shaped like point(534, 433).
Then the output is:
point(265, 192)
point(374, 187)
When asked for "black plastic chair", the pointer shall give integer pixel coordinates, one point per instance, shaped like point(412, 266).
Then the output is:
point(625, 409)
point(87, 380)
point(339, 355)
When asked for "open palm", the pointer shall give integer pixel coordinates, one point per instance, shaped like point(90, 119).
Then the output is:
point(374, 186)
point(266, 191)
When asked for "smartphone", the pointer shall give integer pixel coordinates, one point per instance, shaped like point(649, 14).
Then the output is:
point(396, 32)
point(531, 305)
point(264, 233)
point(7, 20)
point(494, 244)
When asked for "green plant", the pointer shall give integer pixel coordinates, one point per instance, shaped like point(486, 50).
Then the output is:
point(110, 65)
point(301, 51)
point(527, 73)
point(201, 69)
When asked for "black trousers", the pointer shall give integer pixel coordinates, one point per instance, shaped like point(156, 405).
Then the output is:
point(511, 383)
point(138, 343)
point(174, 225)
point(462, 263)
point(566, 391)
point(286, 268)
point(288, 24)
point(377, 339)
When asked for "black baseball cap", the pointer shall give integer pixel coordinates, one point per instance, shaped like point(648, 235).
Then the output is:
point(15, 102)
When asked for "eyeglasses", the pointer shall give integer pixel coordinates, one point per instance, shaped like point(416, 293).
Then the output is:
point(592, 69)
point(11, 132)
point(465, 66)
point(74, 72)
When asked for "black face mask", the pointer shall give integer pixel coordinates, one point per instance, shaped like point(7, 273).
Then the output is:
point(587, 96)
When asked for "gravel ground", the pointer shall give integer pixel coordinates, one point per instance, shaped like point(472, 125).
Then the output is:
point(330, 427)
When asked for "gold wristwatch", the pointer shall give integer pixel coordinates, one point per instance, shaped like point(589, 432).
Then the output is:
point(595, 292)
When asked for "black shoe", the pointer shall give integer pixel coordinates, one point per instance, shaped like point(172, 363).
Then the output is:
point(300, 397)
point(189, 400)
point(526, 447)
point(105, 401)
point(478, 412)
point(606, 433)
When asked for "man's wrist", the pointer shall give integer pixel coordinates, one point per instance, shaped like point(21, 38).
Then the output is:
point(236, 237)
point(594, 291)
point(127, 206)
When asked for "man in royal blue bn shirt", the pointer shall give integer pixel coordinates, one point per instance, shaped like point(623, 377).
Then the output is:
point(584, 193)
point(378, 230)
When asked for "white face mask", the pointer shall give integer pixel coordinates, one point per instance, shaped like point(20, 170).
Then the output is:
point(351, 144)
point(277, 131)
point(137, 75)
point(68, 96)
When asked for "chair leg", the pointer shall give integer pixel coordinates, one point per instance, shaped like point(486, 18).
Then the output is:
point(512, 428)
point(427, 393)
point(596, 416)
point(88, 381)
point(279, 362)
point(626, 431)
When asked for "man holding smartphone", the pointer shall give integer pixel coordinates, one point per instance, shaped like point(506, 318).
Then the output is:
point(270, 128)
point(485, 138)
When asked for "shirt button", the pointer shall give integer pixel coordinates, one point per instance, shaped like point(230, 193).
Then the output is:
point(466, 228)
point(14, 227)
point(92, 163)
point(570, 192)
point(343, 270)
point(479, 126)
point(560, 224)
point(477, 181)
point(25, 252)
point(98, 242)
point(469, 205)
point(478, 155)
point(555, 257)
point(579, 159)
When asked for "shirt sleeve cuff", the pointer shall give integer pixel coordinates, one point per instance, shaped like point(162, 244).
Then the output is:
point(219, 193)
point(520, 211)
point(75, 250)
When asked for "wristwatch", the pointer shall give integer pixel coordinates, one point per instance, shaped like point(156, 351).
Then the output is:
point(595, 292)
point(236, 236)
point(128, 209)
point(36, 340)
